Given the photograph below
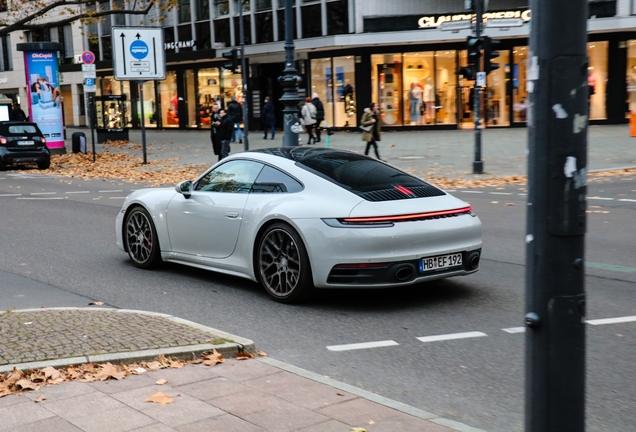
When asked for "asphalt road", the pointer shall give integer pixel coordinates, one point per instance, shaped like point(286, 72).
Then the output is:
point(58, 248)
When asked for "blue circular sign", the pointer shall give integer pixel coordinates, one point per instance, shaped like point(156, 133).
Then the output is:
point(139, 49)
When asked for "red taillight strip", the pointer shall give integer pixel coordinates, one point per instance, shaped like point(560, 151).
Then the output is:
point(407, 217)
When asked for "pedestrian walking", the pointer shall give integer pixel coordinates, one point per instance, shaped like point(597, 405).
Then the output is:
point(215, 125)
point(308, 117)
point(370, 125)
point(17, 114)
point(225, 133)
point(320, 113)
point(235, 110)
point(268, 118)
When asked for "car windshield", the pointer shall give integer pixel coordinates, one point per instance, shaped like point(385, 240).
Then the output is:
point(22, 129)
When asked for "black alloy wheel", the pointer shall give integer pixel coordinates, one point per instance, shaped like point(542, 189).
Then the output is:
point(141, 239)
point(283, 265)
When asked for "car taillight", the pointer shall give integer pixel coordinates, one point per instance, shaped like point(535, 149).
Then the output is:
point(409, 217)
point(3, 140)
point(43, 140)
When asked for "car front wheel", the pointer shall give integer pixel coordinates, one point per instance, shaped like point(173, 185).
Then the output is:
point(141, 239)
point(283, 265)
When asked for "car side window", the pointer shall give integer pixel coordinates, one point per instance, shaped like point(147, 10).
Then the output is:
point(236, 176)
point(272, 180)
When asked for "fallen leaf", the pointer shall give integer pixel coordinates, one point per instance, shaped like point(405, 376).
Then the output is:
point(51, 373)
point(213, 358)
point(358, 430)
point(159, 398)
point(161, 382)
point(26, 384)
point(109, 371)
point(153, 365)
point(40, 399)
point(98, 303)
point(371, 422)
point(509, 204)
point(244, 356)
point(261, 353)
point(176, 364)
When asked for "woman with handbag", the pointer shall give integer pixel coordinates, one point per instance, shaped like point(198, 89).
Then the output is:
point(370, 125)
point(308, 118)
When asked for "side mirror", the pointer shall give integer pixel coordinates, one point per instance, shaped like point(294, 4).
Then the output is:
point(184, 188)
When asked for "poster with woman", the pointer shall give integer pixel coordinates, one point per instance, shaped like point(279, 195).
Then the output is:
point(43, 95)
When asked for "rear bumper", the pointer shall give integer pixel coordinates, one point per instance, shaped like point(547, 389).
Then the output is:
point(10, 157)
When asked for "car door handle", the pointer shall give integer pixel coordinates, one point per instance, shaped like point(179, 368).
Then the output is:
point(231, 215)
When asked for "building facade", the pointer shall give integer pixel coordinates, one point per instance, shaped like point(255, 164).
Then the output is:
point(398, 53)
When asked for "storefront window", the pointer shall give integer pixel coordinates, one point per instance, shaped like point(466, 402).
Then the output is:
point(446, 87)
point(209, 93)
point(169, 100)
point(344, 80)
point(631, 76)
point(110, 86)
point(519, 93)
point(465, 96)
point(386, 86)
point(190, 100)
point(419, 88)
point(321, 84)
point(150, 107)
point(495, 100)
point(231, 85)
point(597, 78)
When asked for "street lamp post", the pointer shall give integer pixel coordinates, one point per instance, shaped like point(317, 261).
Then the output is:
point(289, 82)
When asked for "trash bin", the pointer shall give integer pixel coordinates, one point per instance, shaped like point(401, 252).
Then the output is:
point(78, 140)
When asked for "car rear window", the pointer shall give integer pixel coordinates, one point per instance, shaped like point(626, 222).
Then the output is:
point(22, 129)
point(366, 177)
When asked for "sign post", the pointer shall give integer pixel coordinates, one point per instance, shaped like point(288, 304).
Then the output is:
point(89, 73)
point(138, 55)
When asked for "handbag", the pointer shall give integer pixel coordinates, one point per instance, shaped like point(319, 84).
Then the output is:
point(366, 128)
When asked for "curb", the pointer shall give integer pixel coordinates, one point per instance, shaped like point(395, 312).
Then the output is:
point(373, 397)
point(229, 349)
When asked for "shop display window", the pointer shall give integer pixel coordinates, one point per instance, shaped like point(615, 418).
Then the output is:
point(597, 78)
point(321, 84)
point(465, 96)
point(419, 93)
point(386, 84)
point(209, 92)
point(190, 100)
point(169, 100)
point(231, 85)
point(496, 103)
point(333, 79)
point(445, 87)
point(631, 77)
point(150, 107)
point(519, 93)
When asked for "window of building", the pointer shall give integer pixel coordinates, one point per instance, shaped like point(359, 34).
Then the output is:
point(209, 91)
point(247, 30)
point(597, 78)
point(222, 31)
point(312, 26)
point(496, 103)
point(185, 37)
point(119, 19)
point(262, 5)
point(337, 17)
point(264, 27)
point(150, 106)
point(418, 93)
point(281, 23)
point(231, 86)
point(445, 87)
point(333, 79)
point(631, 77)
point(168, 39)
point(107, 48)
point(105, 20)
point(519, 92)
point(189, 84)
point(169, 100)
point(221, 8)
point(202, 11)
point(67, 33)
point(204, 41)
point(245, 3)
point(184, 11)
point(110, 86)
point(6, 61)
point(386, 85)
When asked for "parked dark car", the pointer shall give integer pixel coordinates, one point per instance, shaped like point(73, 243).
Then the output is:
point(22, 143)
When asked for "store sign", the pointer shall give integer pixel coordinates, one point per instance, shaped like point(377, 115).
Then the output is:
point(180, 44)
point(435, 21)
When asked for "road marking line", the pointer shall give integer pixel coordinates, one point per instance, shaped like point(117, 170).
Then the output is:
point(522, 194)
point(108, 191)
point(2, 178)
point(472, 191)
point(500, 193)
point(44, 193)
point(627, 200)
point(612, 320)
point(601, 198)
point(515, 330)
point(10, 194)
point(610, 267)
point(74, 192)
point(362, 345)
point(451, 336)
point(29, 198)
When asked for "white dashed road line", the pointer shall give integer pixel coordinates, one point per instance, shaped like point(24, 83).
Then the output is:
point(1, 195)
point(472, 191)
point(34, 198)
point(363, 345)
point(515, 330)
point(627, 200)
point(600, 198)
point(76, 192)
point(110, 191)
point(500, 193)
point(116, 197)
point(452, 336)
point(612, 320)
point(44, 193)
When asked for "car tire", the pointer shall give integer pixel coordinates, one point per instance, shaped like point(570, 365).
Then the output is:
point(282, 264)
point(140, 239)
point(3, 167)
point(44, 165)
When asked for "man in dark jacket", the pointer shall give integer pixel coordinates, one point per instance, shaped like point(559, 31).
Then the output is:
point(215, 123)
point(17, 114)
point(268, 117)
point(320, 114)
point(225, 133)
point(235, 110)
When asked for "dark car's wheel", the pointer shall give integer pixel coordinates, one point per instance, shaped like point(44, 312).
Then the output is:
point(141, 239)
point(283, 265)
point(44, 164)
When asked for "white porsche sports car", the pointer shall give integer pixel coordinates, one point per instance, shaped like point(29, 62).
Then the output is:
point(295, 218)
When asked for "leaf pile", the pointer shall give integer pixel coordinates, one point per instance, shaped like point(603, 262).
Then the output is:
point(124, 144)
point(17, 381)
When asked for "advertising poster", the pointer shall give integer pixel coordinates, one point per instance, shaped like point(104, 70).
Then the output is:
point(44, 95)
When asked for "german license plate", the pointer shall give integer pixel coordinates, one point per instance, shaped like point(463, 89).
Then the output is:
point(440, 262)
point(25, 143)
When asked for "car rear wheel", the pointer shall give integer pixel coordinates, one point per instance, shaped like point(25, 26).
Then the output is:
point(44, 165)
point(141, 239)
point(283, 265)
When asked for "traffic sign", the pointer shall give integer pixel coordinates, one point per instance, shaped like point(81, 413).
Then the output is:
point(88, 67)
point(89, 74)
point(503, 22)
point(90, 89)
point(88, 57)
point(138, 53)
point(481, 79)
point(89, 81)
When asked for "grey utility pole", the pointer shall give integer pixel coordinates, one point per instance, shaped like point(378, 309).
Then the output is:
point(289, 82)
point(244, 76)
point(555, 267)
point(478, 164)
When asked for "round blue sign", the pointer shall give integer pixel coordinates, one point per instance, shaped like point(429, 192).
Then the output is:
point(139, 49)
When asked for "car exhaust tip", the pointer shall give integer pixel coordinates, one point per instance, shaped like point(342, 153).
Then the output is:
point(404, 273)
point(473, 260)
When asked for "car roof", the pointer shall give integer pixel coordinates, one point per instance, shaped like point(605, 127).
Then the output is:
point(297, 154)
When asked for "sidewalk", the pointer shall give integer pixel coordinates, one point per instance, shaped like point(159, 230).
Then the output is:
point(238, 395)
point(444, 153)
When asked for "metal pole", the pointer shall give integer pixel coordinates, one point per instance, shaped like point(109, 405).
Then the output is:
point(555, 240)
point(244, 80)
point(289, 82)
point(478, 164)
point(92, 115)
point(143, 120)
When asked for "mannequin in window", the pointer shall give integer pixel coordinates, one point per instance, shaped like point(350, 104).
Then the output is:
point(415, 99)
point(429, 101)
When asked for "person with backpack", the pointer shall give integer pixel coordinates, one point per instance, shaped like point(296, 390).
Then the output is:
point(308, 118)
point(235, 110)
point(320, 114)
point(225, 133)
